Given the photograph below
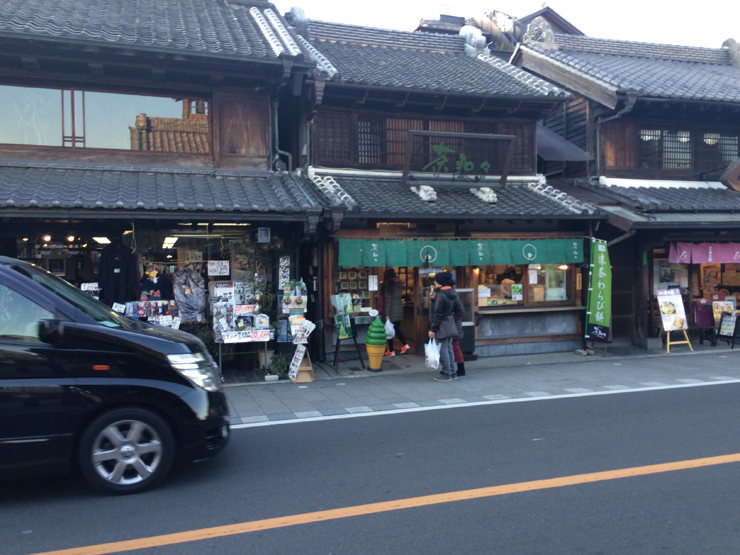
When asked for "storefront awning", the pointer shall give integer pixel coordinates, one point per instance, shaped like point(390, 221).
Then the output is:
point(28, 188)
point(381, 252)
point(554, 148)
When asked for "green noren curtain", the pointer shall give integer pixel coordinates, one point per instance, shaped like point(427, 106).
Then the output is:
point(459, 254)
point(480, 252)
point(395, 253)
point(373, 253)
point(350, 252)
point(500, 251)
point(435, 253)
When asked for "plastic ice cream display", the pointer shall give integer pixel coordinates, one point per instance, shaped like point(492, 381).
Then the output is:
point(375, 343)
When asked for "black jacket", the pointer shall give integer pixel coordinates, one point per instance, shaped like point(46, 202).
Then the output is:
point(446, 303)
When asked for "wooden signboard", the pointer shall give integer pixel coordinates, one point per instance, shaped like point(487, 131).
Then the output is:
point(300, 370)
point(728, 327)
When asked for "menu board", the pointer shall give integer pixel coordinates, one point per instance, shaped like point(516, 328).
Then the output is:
point(727, 324)
point(671, 308)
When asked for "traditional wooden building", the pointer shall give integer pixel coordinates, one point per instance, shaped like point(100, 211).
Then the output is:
point(423, 149)
point(154, 119)
point(662, 123)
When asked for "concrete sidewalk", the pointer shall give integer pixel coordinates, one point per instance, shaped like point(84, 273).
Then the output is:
point(406, 384)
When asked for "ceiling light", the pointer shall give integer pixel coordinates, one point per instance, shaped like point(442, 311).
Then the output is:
point(563, 267)
point(70, 238)
point(169, 242)
point(25, 238)
point(102, 240)
point(46, 238)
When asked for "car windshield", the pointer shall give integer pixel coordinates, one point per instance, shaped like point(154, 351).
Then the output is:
point(87, 304)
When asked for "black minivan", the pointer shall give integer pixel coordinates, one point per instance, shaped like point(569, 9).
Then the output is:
point(81, 384)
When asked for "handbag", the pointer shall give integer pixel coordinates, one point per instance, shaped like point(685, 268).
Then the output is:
point(447, 328)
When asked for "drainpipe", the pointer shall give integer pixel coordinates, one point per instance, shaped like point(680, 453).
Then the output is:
point(276, 136)
point(629, 104)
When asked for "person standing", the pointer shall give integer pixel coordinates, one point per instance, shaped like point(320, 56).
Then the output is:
point(393, 309)
point(443, 327)
point(458, 313)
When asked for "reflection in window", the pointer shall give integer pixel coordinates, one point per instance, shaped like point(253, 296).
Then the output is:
point(84, 119)
point(550, 282)
point(19, 316)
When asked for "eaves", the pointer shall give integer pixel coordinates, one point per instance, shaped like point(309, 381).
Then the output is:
point(566, 76)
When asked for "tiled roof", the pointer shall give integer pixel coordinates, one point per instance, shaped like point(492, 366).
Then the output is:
point(385, 197)
point(649, 70)
point(206, 27)
point(35, 185)
point(421, 61)
point(671, 196)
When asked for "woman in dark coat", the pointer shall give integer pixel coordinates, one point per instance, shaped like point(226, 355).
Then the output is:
point(443, 326)
point(393, 309)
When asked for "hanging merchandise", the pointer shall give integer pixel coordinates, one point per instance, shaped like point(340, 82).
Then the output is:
point(163, 313)
point(117, 274)
point(155, 286)
point(189, 289)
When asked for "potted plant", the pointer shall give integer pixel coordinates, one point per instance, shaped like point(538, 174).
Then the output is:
point(280, 365)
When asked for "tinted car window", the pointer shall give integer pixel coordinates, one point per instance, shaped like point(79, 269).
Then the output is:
point(19, 316)
point(93, 308)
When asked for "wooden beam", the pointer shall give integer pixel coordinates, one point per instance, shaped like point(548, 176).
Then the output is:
point(568, 79)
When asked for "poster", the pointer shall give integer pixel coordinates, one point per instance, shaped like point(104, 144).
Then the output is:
point(727, 325)
point(671, 309)
point(218, 267)
point(718, 307)
point(516, 292)
point(599, 308)
point(295, 364)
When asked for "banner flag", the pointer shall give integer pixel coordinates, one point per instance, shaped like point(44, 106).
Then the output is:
point(599, 309)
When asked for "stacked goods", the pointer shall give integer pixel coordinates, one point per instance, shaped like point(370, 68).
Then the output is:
point(375, 343)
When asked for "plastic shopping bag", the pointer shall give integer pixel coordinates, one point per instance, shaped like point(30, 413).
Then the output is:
point(390, 332)
point(431, 354)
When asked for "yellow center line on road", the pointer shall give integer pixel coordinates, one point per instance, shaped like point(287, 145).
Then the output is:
point(372, 508)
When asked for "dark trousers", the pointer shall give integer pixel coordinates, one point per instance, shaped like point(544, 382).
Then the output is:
point(458, 352)
point(399, 334)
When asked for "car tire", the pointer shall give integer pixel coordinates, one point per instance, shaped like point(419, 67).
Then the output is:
point(126, 450)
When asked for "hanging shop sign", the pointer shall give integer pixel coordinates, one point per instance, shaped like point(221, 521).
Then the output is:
point(381, 252)
point(284, 272)
point(598, 316)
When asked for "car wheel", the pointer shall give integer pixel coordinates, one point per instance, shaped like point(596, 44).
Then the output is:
point(126, 451)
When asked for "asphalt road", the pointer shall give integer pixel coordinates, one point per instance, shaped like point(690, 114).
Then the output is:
point(294, 469)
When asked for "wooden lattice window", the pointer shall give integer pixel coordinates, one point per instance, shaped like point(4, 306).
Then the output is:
point(334, 132)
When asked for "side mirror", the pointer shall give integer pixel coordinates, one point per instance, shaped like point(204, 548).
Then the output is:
point(51, 331)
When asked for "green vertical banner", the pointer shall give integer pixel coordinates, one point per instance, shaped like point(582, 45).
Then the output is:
point(395, 253)
point(480, 252)
point(459, 255)
point(599, 310)
point(350, 252)
point(373, 253)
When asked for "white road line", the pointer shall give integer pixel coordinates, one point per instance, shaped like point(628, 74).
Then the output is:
point(417, 408)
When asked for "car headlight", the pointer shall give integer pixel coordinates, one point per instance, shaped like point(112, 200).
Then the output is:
point(195, 368)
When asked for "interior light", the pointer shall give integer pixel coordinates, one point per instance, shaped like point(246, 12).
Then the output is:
point(476, 270)
point(169, 242)
point(84, 246)
point(46, 238)
point(102, 240)
point(25, 238)
point(70, 238)
point(563, 266)
point(169, 256)
point(128, 231)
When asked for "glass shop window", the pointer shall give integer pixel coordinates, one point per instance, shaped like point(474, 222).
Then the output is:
point(84, 119)
point(500, 285)
point(550, 282)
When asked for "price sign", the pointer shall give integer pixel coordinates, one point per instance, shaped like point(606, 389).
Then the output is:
point(245, 336)
point(118, 307)
point(245, 309)
point(194, 256)
point(218, 267)
point(89, 287)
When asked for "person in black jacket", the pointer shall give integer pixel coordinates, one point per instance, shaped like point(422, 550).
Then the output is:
point(443, 326)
